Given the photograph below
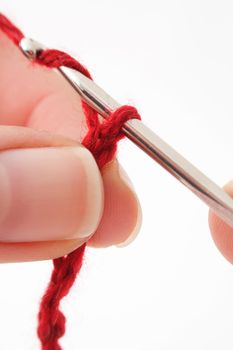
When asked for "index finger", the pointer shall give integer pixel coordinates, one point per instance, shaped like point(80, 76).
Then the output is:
point(24, 85)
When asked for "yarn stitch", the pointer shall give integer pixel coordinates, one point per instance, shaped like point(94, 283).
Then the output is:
point(101, 140)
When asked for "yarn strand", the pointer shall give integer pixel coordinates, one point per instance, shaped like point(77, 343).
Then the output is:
point(101, 140)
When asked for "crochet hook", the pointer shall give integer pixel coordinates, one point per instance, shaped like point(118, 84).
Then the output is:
point(145, 139)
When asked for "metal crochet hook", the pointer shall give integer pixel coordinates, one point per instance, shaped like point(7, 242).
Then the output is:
point(146, 139)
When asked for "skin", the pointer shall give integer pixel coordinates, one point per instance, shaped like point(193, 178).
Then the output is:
point(39, 110)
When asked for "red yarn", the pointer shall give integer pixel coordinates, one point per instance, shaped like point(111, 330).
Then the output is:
point(101, 140)
point(10, 29)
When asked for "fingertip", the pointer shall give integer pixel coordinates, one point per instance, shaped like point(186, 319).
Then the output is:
point(49, 193)
point(121, 220)
point(221, 232)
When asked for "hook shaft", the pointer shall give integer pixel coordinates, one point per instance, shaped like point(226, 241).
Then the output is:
point(146, 139)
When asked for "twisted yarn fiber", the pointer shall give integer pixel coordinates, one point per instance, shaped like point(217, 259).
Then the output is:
point(101, 139)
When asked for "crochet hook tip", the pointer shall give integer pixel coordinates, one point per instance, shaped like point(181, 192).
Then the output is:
point(145, 138)
point(31, 48)
point(96, 97)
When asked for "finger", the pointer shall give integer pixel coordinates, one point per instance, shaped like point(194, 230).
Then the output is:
point(221, 232)
point(26, 89)
point(55, 107)
point(120, 199)
point(48, 194)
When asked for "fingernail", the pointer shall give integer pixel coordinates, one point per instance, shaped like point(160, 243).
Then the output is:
point(132, 236)
point(50, 193)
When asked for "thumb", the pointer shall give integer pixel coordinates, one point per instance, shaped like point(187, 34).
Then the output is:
point(51, 196)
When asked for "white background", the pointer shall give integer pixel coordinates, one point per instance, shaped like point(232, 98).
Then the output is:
point(171, 289)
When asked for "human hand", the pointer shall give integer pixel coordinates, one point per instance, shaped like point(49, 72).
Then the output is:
point(53, 197)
